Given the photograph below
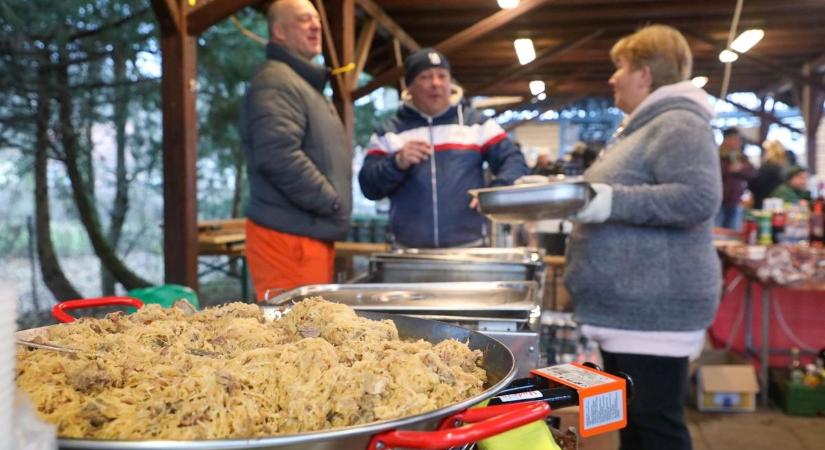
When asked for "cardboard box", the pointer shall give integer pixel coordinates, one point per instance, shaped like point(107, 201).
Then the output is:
point(570, 418)
point(726, 388)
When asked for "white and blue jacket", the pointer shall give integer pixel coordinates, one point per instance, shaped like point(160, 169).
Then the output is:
point(429, 203)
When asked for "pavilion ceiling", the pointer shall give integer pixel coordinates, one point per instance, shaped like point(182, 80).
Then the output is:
point(576, 36)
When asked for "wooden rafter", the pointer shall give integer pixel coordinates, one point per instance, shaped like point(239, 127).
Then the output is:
point(362, 49)
point(557, 105)
point(386, 22)
point(207, 13)
point(764, 115)
point(168, 14)
point(772, 66)
point(458, 41)
point(542, 58)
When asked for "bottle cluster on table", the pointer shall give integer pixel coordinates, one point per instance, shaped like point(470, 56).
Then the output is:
point(812, 374)
point(784, 223)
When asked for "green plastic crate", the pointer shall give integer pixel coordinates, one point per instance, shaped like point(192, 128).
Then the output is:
point(798, 399)
point(165, 295)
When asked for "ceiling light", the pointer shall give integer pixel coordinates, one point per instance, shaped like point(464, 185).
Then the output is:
point(727, 56)
point(747, 40)
point(524, 50)
point(542, 96)
point(507, 4)
point(699, 82)
point(536, 87)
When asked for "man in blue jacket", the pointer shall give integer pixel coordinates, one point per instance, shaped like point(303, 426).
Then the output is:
point(430, 153)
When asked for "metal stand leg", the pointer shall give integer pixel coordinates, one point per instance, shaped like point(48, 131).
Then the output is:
point(244, 281)
point(766, 345)
point(748, 316)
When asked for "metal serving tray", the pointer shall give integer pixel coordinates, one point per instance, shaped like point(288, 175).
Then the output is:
point(522, 255)
point(474, 301)
point(555, 199)
point(456, 265)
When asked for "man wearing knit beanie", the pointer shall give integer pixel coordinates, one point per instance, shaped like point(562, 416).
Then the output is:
point(427, 156)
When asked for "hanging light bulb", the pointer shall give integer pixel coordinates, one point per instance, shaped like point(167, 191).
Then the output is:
point(507, 4)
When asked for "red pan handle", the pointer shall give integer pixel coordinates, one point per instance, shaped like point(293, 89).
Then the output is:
point(484, 422)
point(59, 310)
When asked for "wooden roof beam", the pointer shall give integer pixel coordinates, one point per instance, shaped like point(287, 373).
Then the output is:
point(362, 49)
point(553, 105)
point(457, 41)
point(207, 13)
point(386, 22)
point(778, 68)
point(168, 13)
point(764, 115)
point(542, 58)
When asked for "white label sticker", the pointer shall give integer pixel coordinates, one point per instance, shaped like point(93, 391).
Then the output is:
point(603, 409)
point(520, 396)
point(576, 375)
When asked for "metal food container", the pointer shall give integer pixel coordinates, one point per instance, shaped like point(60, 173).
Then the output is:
point(508, 311)
point(414, 265)
point(554, 199)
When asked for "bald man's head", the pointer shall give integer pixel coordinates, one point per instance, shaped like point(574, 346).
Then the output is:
point(295, 25)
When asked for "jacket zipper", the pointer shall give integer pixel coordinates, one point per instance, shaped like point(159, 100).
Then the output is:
point(434, 183)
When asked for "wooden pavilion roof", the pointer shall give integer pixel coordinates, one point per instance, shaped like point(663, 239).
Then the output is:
point(575, 37)
point(572, 40)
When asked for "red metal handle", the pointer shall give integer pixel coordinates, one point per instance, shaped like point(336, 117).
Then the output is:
point(59, 310)
point(484, 422)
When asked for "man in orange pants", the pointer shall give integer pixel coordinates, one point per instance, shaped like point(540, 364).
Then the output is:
point(298, 158)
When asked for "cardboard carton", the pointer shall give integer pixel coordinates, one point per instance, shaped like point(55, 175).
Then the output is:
point(726, 388)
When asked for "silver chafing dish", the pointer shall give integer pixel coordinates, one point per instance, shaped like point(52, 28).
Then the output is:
point(508, 311)
point(414, 265)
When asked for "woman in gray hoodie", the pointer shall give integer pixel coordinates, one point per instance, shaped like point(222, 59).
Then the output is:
point(641, 265)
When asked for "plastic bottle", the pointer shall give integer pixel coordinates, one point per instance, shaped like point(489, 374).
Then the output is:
point(796, 371)
point(817, 237)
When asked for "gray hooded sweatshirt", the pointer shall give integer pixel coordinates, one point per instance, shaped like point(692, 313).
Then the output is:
point(652, 265)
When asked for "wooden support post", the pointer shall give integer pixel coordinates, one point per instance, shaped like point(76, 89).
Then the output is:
point(180, 141)
point(764, 125)
point(341, 15)
point(811, 109)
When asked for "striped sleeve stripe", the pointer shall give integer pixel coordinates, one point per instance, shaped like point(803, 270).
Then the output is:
point(493, 141)
point(376, 152)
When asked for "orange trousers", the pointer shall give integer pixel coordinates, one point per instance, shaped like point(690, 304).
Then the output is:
point(279, 261)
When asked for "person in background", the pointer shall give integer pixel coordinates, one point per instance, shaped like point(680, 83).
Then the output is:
point(795, 187)
point(430, 153)
point(736, 172)
point(298, 159)
point(545, 166)
point(771, 173)
point(641, 267)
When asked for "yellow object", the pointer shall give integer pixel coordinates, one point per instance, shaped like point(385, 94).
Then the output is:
point(533, 436)
point(343, 69)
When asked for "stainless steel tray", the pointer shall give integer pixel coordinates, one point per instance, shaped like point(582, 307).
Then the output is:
point(536, 201)
point(520, 255)
point(513, 301)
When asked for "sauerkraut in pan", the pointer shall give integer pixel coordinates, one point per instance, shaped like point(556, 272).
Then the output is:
point(227, 372)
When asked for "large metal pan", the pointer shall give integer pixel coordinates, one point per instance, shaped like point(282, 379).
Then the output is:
point(554, 199)
point(498, 362)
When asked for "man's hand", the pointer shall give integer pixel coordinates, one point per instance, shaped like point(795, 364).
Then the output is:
point(413, 152)
point(474, 204)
